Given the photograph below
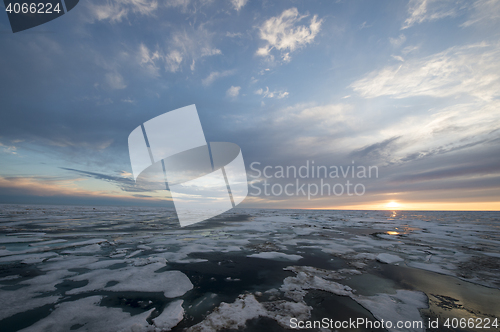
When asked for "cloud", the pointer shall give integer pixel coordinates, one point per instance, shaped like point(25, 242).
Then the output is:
point(42, 190)
point(183, 47)
point(173, 61)
point(470, 70)
point(149, 60)
point(484, 11)
point(188, 46)
point(377, 150)
point(8, 148)
point(284, 34)
point(455, 129)
point(233, 91)
point(216, 75)
point(398, 57)
point(409, 49)
point(115, 81)
point(364, 25)
point(396, 42)
point(116, 11)
point(279, 94)
point(233, 34)
point(177, 3)
point(193, 43)
point(428, 10)
point(238, 4)
point(124, 181)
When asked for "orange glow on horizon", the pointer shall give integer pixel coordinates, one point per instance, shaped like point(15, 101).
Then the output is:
point(393, 205)
point(419, 206)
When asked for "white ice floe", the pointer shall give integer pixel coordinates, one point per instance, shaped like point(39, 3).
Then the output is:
point(389, 258)
point(26, 298)
point(17, 239)
point(81, 243)
point(103, 264)
point(273, 255)
point(335, 249)
point(29, 258)
point(170, 317)
point(145, 261)
point(43, 243)
point(402, 306)
point(135, 253)
point(17, 302)
point(235, 315)
point(11, 277)
point(90, 249)
point(86, 315)
point(139, 279)
point(65, 262)
point(296, 287)
point(432, 267)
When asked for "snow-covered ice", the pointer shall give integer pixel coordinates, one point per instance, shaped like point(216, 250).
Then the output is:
point(88, 269)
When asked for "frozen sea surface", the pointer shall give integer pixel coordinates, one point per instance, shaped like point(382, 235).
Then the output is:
point(66, 268)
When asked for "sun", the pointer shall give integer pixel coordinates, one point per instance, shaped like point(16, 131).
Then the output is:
point(393, 205)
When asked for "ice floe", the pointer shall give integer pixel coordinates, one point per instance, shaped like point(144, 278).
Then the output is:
point(403, 306)
point(276, 256)
point(235, 315)
point(138, 279)
point(86, 315)
point(389, 258)
point(170, 317)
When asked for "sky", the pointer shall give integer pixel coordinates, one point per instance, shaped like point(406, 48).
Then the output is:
point(409, 87)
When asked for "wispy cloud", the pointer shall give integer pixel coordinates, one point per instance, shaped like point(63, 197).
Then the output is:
point(8, 148)
point(396, 42)
point(398, 57)
point(452, 129)
point(279, 94)
point(42, 189)
point(216, 75)
point(173, 61)
point(376, 151)
point(115, 81)
point(184, 48)
point(471, 70)
point(233, 91)
point(284, 33)
point(428, 10)
point(149, 60)
point(124, 182)
point(483, 11)
point(116, 11)
point(238, 4)
point(233, 34)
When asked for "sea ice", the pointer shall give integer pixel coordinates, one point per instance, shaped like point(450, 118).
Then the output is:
point(170, 317)
point(26, 298)
point(273, 255)
point(86, 315)
point(402, 306)
point(389, 258)
point(139, 279)
point(235, 315)
point(295, 287)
